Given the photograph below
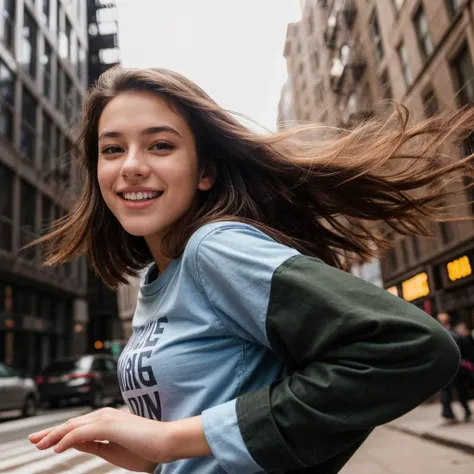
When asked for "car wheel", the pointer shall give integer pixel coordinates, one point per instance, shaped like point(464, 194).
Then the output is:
point(97, 399)
point(30, 407)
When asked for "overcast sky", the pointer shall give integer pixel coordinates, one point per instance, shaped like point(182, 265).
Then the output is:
point(233, 49)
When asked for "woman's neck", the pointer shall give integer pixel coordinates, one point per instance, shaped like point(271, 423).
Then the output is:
point(154, 244)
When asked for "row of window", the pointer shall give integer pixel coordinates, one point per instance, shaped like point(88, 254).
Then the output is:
point(67, 97)
point(28, 302)
point(463, 74)
point(69, 47)
point(30, 222)
point(426, 48)
point(54, 161)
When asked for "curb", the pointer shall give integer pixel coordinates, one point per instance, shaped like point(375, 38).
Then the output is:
point(459, 445)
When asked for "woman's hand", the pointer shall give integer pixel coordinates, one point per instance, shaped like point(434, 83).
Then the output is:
point(134, 443)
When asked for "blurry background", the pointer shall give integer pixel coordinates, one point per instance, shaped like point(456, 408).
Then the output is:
point(279, 62)
point(276, 61)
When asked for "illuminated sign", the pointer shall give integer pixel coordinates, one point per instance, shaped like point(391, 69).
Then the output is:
point(393, 290)
point(459, 268)
point(416, 287)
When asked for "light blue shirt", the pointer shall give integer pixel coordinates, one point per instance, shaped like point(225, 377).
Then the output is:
point(195, 349)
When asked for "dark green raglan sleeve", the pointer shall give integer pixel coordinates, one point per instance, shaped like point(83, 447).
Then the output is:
point(359, 358)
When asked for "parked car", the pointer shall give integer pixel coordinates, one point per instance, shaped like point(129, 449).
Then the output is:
point(18, 391)
point(88, 378)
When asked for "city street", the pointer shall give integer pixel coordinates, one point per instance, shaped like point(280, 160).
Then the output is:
point(385, 452)
point(391, 452)
point(19, 456)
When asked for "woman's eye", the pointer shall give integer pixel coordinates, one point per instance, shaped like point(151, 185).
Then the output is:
point(111, 150)
point(161, 146)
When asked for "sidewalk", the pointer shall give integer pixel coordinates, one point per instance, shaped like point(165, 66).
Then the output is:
point(425, 422)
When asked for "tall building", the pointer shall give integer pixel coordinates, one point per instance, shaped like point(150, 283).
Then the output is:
point(104, 329)
point(417, 52)
point(43, 76)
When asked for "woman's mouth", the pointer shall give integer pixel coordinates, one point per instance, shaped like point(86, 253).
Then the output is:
point(140, 196)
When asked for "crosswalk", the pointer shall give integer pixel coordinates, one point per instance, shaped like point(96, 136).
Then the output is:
point(21, 457)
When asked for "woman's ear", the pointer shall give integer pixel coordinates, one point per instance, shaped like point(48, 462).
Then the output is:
point(207, 177)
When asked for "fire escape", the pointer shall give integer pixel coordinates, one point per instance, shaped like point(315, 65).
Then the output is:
point(103, 37)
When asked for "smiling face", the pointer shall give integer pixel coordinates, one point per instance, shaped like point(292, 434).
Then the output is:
point(147, 167)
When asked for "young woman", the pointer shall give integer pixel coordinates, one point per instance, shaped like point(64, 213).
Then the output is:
point(251, 351)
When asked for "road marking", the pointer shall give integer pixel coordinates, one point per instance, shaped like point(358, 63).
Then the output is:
point(17, 425)
point(35, 455)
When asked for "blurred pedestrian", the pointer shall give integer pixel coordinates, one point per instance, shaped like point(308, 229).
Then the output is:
point(251, 351)
point(459, 386)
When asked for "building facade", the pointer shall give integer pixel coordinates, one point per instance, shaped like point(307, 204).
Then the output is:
point(43, 76)
point(416, 52)
point(104, 329)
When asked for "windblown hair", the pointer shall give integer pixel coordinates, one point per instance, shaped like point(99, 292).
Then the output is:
point(321, 190)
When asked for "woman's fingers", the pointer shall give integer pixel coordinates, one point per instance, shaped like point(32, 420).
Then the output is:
point(39, 435)
point(58, 432)
point(83, 434)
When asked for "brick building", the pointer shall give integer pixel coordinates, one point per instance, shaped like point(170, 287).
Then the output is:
point(344, 58)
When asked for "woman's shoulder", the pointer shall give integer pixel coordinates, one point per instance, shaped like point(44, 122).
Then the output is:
point(233, 240)
point(233, 233)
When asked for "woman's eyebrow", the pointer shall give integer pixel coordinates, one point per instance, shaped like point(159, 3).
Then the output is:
point(146, 131)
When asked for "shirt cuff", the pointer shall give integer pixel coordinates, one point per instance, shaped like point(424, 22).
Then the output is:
point(222, 432)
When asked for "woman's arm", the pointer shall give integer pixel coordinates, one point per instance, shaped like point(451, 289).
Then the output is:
point(358, 356)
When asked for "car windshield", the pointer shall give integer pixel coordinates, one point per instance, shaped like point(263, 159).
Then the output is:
point(69, 365)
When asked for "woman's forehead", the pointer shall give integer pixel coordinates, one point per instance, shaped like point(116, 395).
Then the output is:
point(139, 110)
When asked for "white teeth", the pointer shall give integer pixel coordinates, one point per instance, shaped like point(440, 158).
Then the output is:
point(140, 196)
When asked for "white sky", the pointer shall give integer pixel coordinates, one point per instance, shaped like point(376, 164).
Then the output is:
point(233, 49)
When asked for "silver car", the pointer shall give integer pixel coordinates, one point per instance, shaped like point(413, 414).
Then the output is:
point(18, 391)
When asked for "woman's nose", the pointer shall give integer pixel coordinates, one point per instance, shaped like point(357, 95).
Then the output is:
point(135, 165)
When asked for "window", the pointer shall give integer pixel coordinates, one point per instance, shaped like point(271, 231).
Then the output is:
point(430, 103)
point(6, 198)
point(46, 218)
point(65, 42)
point(398, 4)
point(46, 61)
point(28, 45)
point(386, 86)
point(316, 60)
point(453, 6)
point(58, 16)
point(376, 37)
point(446, 232)
point(68, 99)
point(81, 60)
point(423, 34)
point(28, 125)
point(406, 70)
point(7, 101)
point(392, 258)
point(7, 24)
point(59, 86)
point(46, 212)
point(405, 252)
point(46, 153)
point(27, 218)
point(463, 75)
point(318, 94)
point(46, 12)
point(468, 149)
point(415, 240)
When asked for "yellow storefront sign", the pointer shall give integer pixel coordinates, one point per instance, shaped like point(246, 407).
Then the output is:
point(459, 268)
point(416, 287)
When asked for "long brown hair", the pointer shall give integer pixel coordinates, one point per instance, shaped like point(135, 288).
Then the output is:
point(317, 189)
